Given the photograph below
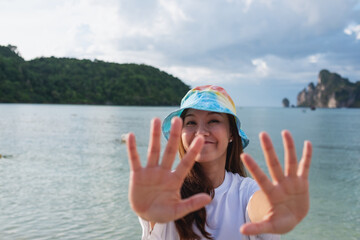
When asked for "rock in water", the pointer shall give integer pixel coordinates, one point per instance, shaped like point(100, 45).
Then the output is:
point(285, 102)
point(331, 91)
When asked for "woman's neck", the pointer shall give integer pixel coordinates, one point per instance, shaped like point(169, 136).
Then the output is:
point(215, 171)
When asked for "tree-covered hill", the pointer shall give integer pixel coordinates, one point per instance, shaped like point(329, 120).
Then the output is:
point(69, 80)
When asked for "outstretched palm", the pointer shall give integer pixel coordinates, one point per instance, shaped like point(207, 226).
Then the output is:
point(288, 193)
point(154, 191)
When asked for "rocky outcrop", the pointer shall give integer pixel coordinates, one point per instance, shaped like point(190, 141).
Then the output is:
point(285, 102)
point(331, 91)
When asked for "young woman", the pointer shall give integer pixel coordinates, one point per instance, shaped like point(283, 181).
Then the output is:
point(208, 195)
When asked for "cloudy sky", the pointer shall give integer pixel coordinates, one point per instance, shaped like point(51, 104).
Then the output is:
point(259, 50)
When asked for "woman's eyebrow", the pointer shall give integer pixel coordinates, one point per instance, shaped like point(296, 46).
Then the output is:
point(211, 113)
point(189, 115)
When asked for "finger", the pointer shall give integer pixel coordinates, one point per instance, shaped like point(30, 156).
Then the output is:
point(191, 204)
point(272, 161)
point(290, 154)
point(259, 176)
point(188, 160)
point(304, 165)
point(133, 155)
point(256, 228)
point(154, 144)
point(173, 143)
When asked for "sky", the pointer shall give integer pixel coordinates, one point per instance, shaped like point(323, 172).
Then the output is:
point(260, 51)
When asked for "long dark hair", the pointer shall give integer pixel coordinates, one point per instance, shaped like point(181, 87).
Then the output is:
point(197, 182)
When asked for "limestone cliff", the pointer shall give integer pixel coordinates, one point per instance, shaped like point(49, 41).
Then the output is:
point(331, 91)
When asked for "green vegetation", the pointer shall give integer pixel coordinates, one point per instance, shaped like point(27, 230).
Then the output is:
point(73, 81)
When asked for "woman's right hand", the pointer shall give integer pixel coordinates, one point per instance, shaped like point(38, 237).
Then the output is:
point(154, 190)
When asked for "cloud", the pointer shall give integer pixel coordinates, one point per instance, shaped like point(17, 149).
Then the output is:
point(353, 29)
point(235, 42)
point(261, 67)
point(203, 34)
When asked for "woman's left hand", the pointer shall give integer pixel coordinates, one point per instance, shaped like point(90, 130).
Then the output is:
point(286, 197)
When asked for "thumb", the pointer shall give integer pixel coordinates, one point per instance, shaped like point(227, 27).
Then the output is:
point(191, 204)
point(256, 228)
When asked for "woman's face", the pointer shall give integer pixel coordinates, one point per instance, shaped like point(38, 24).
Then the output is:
point(215, 129)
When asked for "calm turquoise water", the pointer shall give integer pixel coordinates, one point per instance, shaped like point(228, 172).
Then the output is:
point(64, 171)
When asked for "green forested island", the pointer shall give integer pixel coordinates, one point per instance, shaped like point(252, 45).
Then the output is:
point(74, 81)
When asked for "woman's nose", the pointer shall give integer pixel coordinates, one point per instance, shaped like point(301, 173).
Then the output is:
point(202, 130)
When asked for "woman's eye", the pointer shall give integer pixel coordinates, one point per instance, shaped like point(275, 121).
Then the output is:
point(189, 123)
point(214, 121)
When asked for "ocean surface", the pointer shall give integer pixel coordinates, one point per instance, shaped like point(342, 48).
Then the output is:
point(64, 169)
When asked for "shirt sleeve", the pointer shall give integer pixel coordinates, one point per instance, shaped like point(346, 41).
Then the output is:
point(161, 231)
point(146, 229)
point(247, 189)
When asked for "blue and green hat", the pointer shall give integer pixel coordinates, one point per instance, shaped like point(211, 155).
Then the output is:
point(207, 98)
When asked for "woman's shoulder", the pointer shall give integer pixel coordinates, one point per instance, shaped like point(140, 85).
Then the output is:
point(238, 179)
point(243, 184)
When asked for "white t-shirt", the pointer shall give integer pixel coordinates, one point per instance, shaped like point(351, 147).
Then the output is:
point(226, 213)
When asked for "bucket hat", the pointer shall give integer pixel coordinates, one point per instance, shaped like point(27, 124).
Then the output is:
point(208, 98)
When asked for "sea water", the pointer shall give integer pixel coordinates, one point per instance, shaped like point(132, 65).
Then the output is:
point(64, 170)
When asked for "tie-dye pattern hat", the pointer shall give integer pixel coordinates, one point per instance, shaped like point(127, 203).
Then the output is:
point(207, 98)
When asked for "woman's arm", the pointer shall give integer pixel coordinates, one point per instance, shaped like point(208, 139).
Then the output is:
point(283, 202)
point(258, 206)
